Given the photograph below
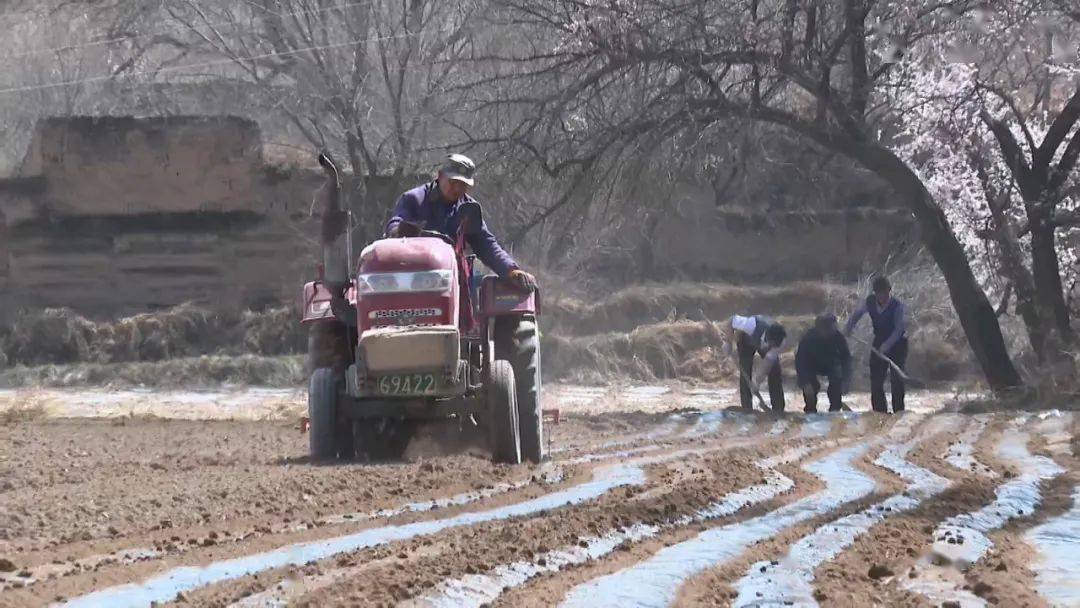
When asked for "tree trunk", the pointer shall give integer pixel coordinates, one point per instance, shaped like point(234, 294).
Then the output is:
point(973, 308)
point(1050, 301)
point(1049, 291)
point(1025, 291)
point(1012, 261)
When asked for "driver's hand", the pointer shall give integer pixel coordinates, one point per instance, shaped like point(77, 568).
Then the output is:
point(522, 279)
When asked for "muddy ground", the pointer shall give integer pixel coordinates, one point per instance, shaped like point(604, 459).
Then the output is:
point(651, 496)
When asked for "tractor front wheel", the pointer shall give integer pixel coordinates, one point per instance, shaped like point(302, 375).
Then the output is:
point(518, 341)
point(503, 414)
point(327, 438)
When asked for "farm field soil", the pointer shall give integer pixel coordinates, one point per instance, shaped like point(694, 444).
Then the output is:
point(651, 496)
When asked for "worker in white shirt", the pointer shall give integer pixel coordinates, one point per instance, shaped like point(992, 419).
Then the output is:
point(757, 335)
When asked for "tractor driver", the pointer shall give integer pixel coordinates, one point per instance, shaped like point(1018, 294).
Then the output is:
point(433, 206)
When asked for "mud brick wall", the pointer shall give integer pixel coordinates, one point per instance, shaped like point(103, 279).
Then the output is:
point(113, 216)
point(117, 215)
point(113, 166)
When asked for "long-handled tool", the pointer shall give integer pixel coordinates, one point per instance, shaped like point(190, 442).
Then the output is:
point(914, 382)
point(742, 372)
point(755, 391)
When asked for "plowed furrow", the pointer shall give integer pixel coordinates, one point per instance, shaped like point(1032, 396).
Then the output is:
point(1057, 563)
point(681, 487)
point(789, 581)
point(166, 585)
point(962, 540)
point(477, 590)
point(655, 581)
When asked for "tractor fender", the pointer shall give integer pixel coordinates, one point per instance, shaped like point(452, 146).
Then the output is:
point(499, 297)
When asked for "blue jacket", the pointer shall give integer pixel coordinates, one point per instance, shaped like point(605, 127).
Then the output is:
point(424, 206)
point(889, 324)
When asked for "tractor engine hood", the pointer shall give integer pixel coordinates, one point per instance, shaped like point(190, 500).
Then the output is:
point(407, 255)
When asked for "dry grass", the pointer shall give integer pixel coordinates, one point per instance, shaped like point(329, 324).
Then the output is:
point(643, 333)
point(687, 350)
point(629, 308)
point(207, 370)
point(24, 411)
point(60, 336)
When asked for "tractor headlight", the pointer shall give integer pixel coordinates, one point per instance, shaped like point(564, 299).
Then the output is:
point(398, 282)
point(434, 280)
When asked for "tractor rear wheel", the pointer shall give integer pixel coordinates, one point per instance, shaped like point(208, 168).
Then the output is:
point(518, 341)
point(503, 414)
point(326, 439)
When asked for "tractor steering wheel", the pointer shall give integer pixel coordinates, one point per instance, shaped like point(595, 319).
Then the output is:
point(438, 235)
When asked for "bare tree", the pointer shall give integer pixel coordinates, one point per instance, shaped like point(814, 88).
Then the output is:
point(47, 72)
point(624, 68)
point(370, 79)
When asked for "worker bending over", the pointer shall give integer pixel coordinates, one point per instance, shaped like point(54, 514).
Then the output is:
point(757, 335)
point(823, 351)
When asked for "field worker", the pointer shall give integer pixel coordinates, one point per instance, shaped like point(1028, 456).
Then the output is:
point(890, 339)
point(434, 206)
point(823, 351)
point(757, 335)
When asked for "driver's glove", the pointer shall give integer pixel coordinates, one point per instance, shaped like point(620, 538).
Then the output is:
point(522, 279)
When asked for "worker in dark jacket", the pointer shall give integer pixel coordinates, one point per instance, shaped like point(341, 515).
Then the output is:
point(823, 351)
point(890, 339)
point(757, 335)
point(434, 206)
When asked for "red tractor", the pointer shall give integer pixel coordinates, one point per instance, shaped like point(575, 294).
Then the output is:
point(406, 340)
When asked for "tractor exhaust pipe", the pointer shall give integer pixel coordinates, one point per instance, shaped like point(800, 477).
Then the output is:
point(334, 230)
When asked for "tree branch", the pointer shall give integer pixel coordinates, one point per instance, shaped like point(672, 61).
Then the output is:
point(1059, 129)
point(1060, 174)
point(860, 80)
point(1010, 150)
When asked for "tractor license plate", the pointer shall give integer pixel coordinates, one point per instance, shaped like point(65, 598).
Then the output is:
point(407, 384)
